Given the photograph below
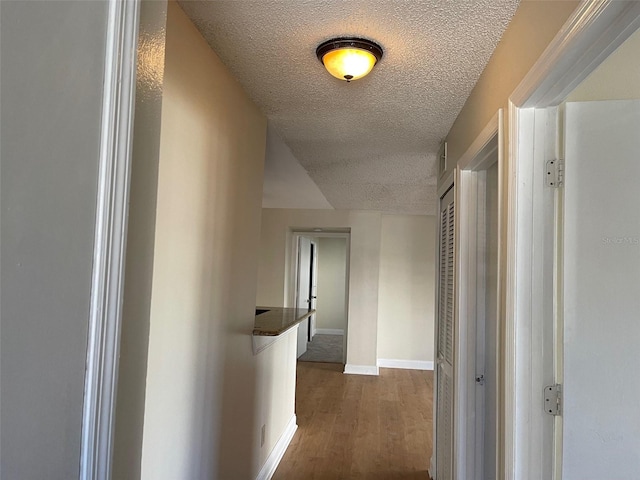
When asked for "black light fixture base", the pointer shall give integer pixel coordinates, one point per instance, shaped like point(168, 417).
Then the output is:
point(337, 43)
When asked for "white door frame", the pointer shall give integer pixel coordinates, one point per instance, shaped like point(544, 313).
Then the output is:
point(593, 31)
point(464, 301)
point(313, 289)
point(303, 277)
point(477, 158)
point(293, 276)
point(103, 342)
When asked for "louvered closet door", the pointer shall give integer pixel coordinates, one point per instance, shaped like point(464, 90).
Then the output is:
point(446, 285)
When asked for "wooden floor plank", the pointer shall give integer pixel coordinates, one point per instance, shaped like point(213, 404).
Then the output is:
point(360, 427)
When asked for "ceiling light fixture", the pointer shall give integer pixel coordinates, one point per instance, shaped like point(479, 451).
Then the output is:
point(349, 58)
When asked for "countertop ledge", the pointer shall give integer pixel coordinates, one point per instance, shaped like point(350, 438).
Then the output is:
point(277, 320)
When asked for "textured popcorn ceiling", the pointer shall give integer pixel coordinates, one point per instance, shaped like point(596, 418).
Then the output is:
point(372, 143)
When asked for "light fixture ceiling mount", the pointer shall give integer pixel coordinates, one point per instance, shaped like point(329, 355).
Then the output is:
point(349, 58)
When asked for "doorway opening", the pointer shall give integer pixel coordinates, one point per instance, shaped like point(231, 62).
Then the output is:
point(469, 285)
point(321, 283)
point(559, 232)
point(467, 377)
point(478, 310)
point(306, 288)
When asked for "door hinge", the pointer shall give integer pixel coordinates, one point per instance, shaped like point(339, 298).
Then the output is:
point(553, 399)
point(554, 173)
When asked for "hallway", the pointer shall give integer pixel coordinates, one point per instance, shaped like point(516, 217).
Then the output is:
point(352, 426)
point(324, 349)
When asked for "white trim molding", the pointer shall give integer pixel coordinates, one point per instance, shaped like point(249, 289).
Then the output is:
point(432, 467)
point(351, 369)
point(472, 158)
point(103, 342)
point(485, 151)
point(330, 331)
point(405, 364)
point(591, 34)
point(507, 440)
point(274, 458)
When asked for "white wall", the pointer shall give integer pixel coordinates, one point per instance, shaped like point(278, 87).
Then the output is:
point(331, 303)
point(617, 78)
point(276, 268)
point(52, 76)
point(407, 288)
point(207, 395)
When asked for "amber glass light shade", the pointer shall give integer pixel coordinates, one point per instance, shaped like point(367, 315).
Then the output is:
point(349, 59)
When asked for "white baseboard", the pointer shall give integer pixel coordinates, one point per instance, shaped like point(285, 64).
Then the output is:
point(406, 364)
point(273, 460)
point(361, 369)
point(330, 331)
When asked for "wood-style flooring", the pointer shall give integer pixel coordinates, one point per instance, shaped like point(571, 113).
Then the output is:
point(360, 427)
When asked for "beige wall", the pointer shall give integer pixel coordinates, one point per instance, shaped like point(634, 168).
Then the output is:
point(207, 395)
point(331, 304)
point(533, 26)
point(275, 393)
point(407, 288)
point(617, 78)
point(392, 295)
point(276, 268)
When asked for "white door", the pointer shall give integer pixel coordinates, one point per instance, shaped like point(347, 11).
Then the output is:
point(445, 353)
point(601, 262)
point(314, 288)
point(304, 290)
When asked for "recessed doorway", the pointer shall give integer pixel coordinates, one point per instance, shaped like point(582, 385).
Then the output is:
point(322, 265)
point(477, 306)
